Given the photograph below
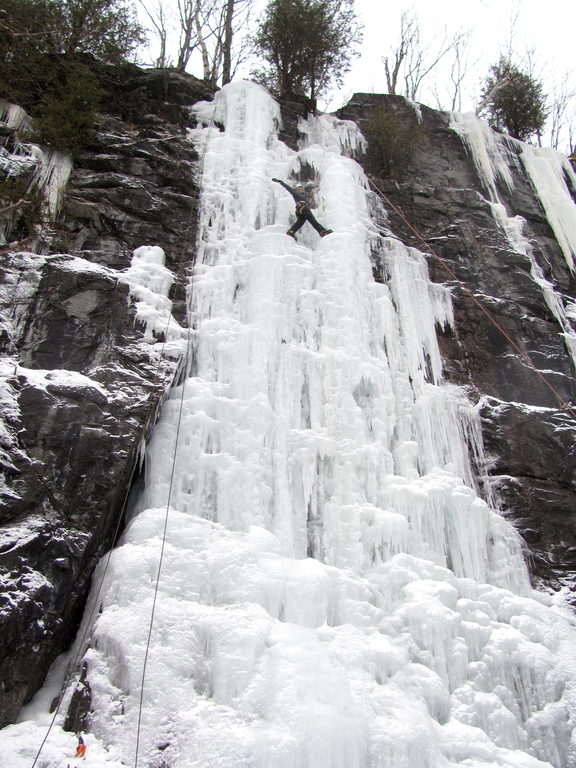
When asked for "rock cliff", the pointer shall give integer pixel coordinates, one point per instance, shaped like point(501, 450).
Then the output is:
point(82, 375)
point(442, 203)
point(89, 352)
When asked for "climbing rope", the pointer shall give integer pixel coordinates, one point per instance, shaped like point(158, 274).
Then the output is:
point(160, 560)
point(171, 483)
point(563, 404)
point(80, 645)
point(88, 624)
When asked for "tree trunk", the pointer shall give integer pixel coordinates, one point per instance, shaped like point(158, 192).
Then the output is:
point(186, 36)
point(227, 47)
point(201, 41)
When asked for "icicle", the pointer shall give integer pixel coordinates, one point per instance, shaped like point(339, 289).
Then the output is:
point(51, 176)
point(15, 117)
point(486, 152)
point(550, 171)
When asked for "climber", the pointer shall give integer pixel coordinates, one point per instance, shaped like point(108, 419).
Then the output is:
point(303, 212)
point(81, 748)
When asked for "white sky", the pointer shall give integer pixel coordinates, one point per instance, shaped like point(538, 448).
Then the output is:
point(544, 25)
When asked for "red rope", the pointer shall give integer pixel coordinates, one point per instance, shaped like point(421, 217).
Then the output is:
point(563, 404)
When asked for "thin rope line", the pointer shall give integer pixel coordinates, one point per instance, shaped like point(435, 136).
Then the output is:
point(162, 548)
point(172, 474)
point(563, 404)
point(88, 624)
point(80, 646)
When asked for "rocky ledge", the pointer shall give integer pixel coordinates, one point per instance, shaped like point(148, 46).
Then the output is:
point(509, 349)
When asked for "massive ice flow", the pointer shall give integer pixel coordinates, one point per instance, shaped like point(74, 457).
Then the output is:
point(333, 593)
point(548, 171)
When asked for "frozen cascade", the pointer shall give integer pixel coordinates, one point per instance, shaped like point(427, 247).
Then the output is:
point(51, 168)
point(548, 171)
point(150, 281)
point(333, 592)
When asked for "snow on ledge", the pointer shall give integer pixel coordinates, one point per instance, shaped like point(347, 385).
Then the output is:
point(65, 382)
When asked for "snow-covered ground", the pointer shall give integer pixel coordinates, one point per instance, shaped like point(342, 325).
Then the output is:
point(328, 590)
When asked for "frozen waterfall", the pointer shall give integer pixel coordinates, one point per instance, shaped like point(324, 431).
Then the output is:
point(548, 172)
point(333, 591)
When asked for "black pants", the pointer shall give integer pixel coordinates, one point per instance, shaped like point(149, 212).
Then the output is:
point(306, 215)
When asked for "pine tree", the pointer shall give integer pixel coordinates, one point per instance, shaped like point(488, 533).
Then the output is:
point(513, 101)
point(307, 44)
point(45, 48)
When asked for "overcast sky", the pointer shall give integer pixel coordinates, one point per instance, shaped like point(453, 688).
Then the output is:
point(544, 25)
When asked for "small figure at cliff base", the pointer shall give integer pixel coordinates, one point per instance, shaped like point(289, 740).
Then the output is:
point(81, 748)
point(303, 212)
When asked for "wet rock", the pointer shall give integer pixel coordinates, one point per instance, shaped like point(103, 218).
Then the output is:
point(504, 329)
point(81, 387)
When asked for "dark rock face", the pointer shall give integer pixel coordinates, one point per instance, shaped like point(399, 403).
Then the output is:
point(76, 443)
point(80, 386)
point(439, 204)
point(533, 473)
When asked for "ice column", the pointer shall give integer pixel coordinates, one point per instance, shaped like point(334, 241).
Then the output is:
point(150, 282)
point(333, 592)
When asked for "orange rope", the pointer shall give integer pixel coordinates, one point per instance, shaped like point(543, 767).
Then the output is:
point(563, 404)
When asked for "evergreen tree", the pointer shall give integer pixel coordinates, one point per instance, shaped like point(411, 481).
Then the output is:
point(513, 101)
point(43, 64)
point(307, 44)
point(106, 29)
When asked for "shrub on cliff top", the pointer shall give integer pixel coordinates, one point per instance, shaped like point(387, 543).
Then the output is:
point(43, 49)
point(513, 100)
point(393, 141)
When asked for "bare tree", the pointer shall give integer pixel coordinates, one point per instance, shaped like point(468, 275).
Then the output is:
point(212, 28)
point(509, 51)
point(193, 15)
point(422, 60)
point(459, 70)
point(227, 43)
point(158, 16)
point(571, 151)
point(413, 60)
point(203, 35)
point(409, 34)
point(562, 108)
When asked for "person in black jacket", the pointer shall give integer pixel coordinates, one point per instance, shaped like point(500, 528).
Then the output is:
point(303, 212)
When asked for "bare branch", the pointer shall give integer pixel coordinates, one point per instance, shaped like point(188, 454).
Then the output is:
point(211, 27)
point(158, 18)
point(409, 34)
point(562, 109)
point(413, 60)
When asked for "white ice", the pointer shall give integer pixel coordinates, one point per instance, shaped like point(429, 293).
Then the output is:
point(50, 168)
point(332, 591)
point(150, 282)
point(548, 171)
point(551, 172)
